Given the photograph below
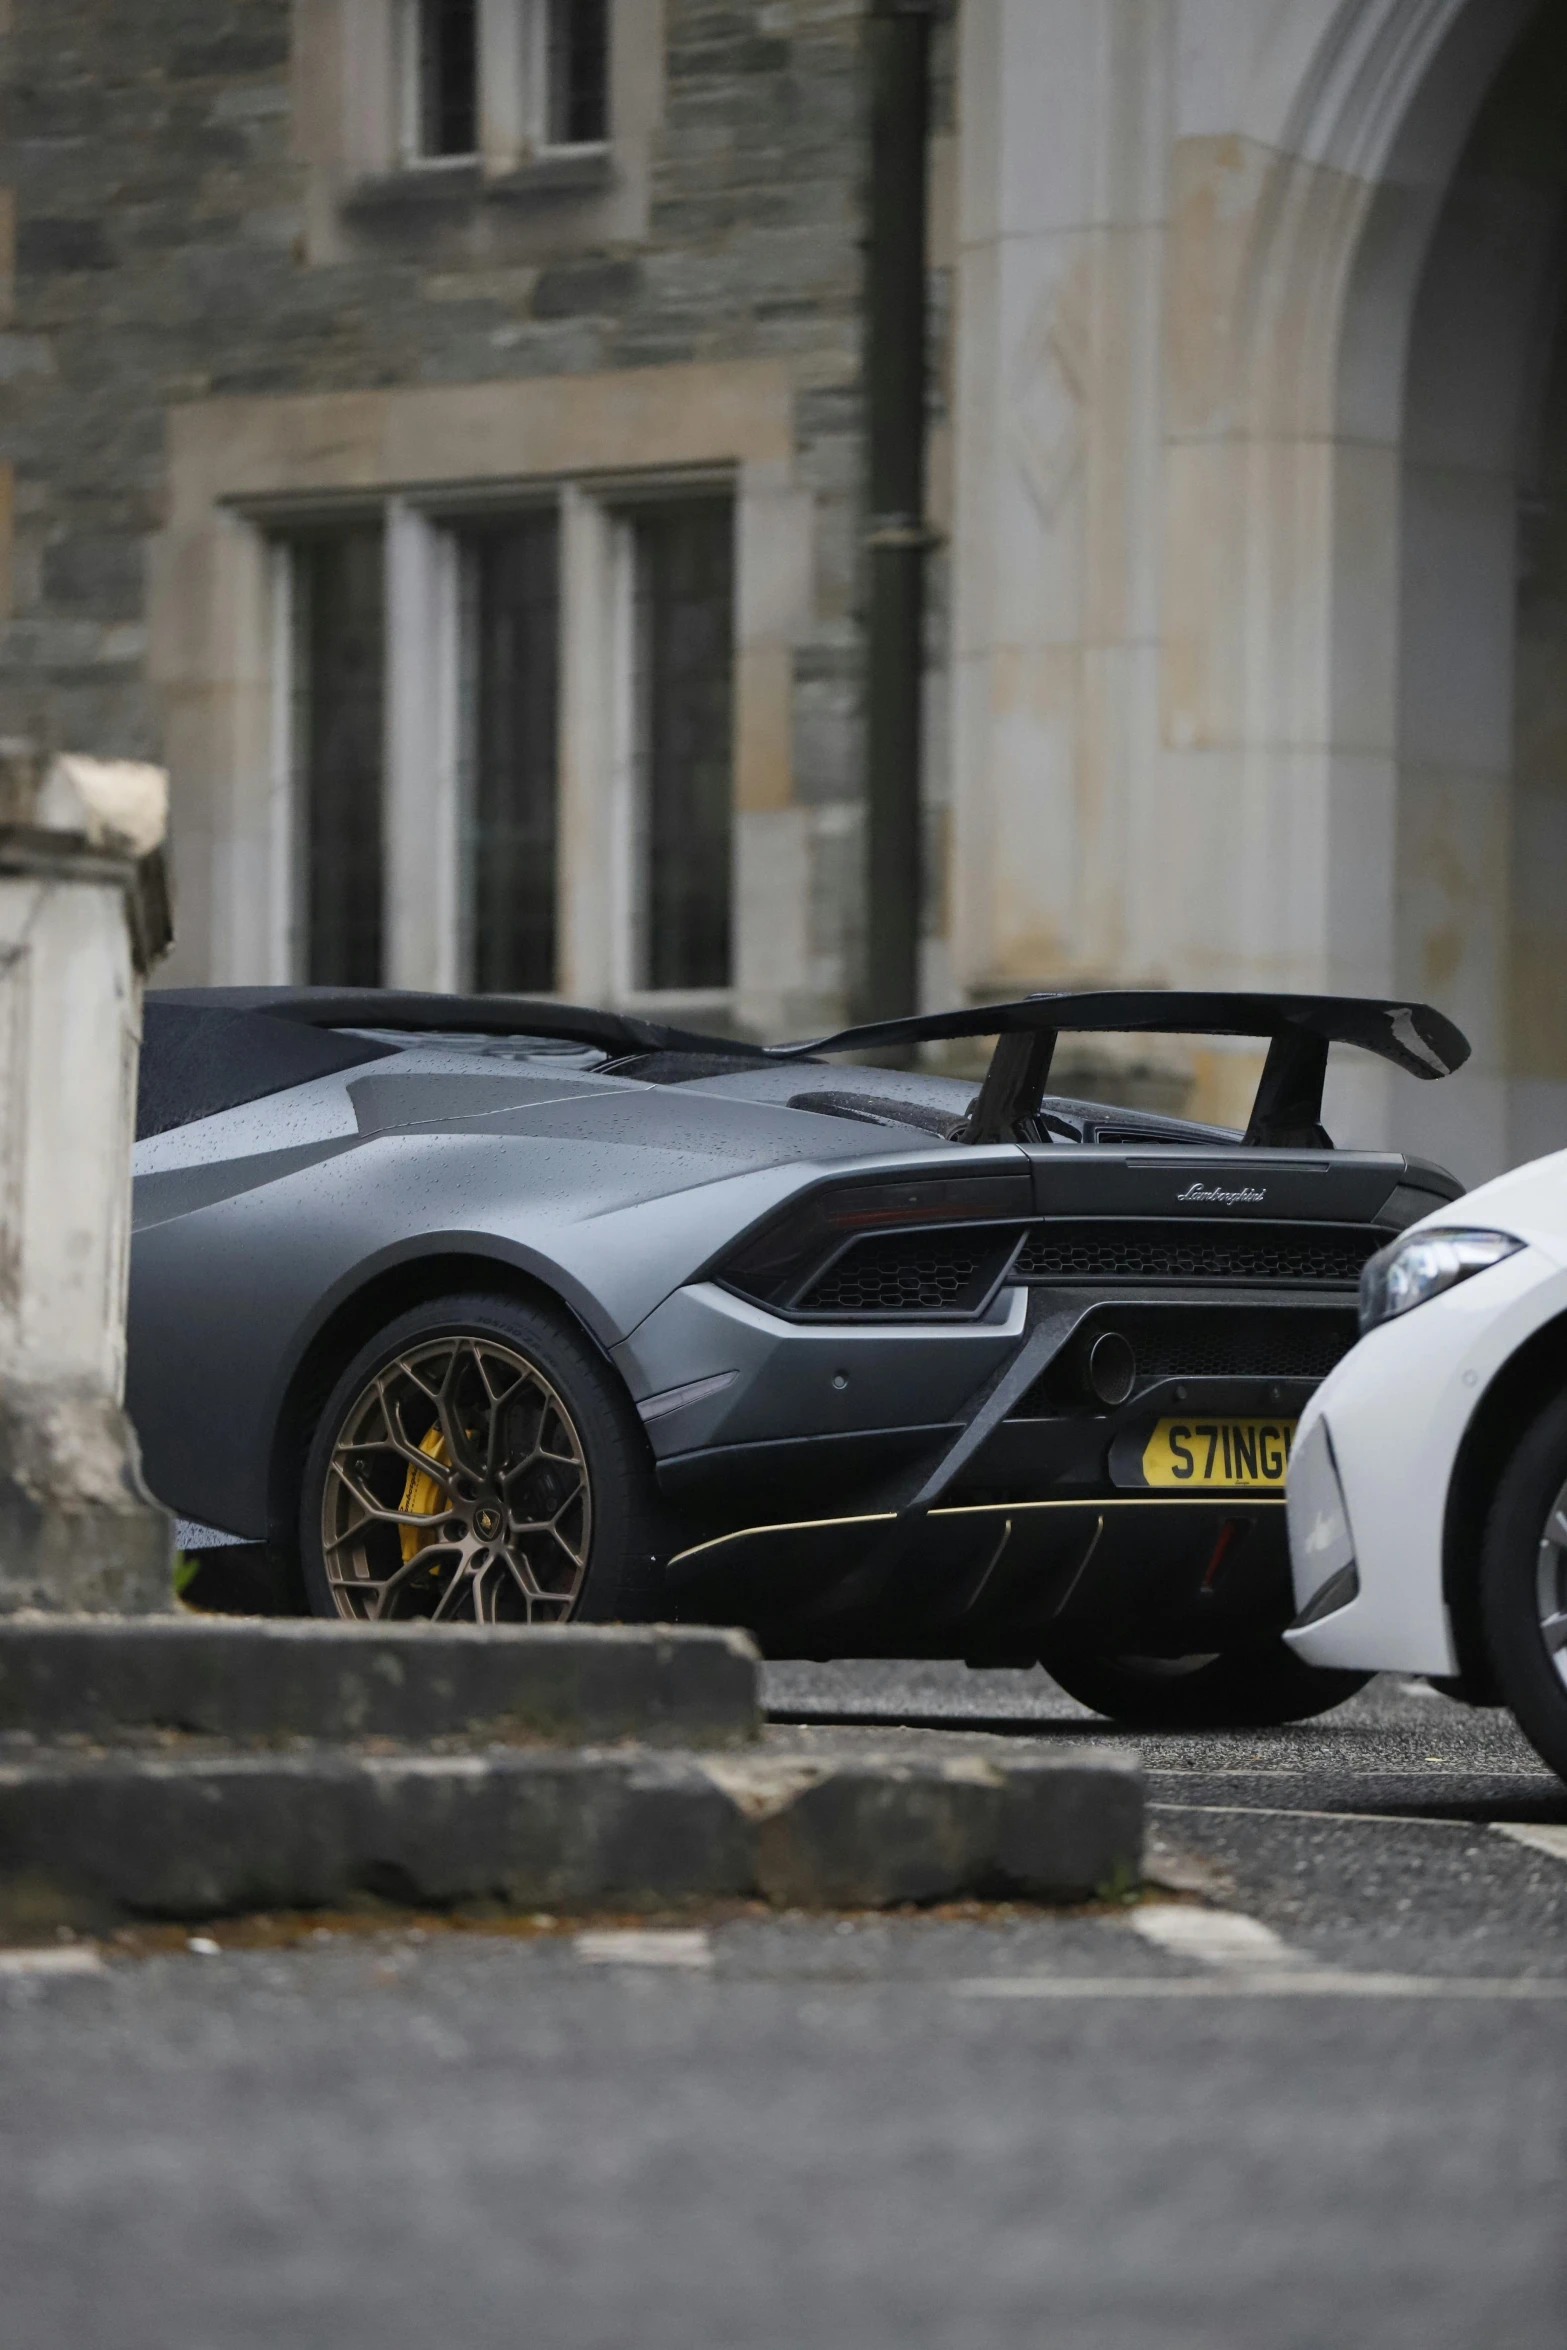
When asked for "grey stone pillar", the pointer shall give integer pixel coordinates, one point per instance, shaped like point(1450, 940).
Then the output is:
point(83, 912)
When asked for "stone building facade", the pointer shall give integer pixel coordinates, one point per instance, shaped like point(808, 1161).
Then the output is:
point(1259, 580)
point(355, 467)
point(466, 490)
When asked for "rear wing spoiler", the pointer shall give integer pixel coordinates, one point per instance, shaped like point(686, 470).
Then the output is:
point(1287, 1113)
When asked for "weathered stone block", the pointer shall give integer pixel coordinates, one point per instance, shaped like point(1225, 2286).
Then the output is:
point(153, 1837)
point(879, 1829)
point(77, 1528)
point(96, 572)
point(573, 287)
point(258, 51)
point(45, 245)
point(1070, 1824)
point(573, 1684)
point(87, 1836)
point(879, 1832)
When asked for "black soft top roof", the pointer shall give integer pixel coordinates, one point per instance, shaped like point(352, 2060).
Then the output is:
point(199, 1057)
point(472, 1015)
point(206, 1049)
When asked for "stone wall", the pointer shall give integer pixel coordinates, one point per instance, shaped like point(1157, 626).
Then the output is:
point(167, 251)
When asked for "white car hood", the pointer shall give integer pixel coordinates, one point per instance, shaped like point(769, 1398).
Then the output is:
point(1529, 1201)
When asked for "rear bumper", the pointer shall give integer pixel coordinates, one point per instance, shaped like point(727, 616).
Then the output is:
point(1035, 1456)
point(711, 1370)
point(999, 1581)
point(790, 1455)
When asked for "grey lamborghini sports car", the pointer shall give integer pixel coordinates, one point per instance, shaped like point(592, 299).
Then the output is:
point(455, 1307)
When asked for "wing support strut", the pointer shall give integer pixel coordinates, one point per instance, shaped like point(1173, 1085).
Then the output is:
point(1287, 1113)
point(1013, 1087)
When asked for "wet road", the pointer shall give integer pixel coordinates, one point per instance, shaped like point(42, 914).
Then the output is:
point(1398, 1825)
point(1309, 2091)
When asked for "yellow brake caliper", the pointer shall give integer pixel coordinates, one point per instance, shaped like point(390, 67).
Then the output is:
point(423, 1497)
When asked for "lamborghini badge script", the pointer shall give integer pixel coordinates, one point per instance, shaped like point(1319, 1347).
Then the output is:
point(1245, 1197)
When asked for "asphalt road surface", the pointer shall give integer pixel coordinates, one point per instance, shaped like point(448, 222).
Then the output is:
point(1308, 2091)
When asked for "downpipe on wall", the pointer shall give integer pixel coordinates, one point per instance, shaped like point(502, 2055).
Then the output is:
point(898, 38)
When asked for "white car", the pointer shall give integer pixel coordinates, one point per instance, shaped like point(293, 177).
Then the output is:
point(1428, 1482)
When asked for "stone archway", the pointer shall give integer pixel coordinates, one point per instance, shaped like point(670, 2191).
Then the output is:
point(1295, 660)
point(1481, 834)
point(1211, 264)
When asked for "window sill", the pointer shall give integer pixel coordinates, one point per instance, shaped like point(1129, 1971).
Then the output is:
point(566, 171)
point(446, 187)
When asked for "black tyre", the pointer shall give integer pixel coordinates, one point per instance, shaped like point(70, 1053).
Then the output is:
point(1257, 1687)
point(1523, 1585)
point(478, 1462)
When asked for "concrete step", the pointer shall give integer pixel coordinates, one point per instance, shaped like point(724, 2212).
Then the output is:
point(108, 1678)
point(89, 1836)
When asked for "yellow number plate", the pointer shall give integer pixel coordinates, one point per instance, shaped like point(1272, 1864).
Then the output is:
point(1202, 1454)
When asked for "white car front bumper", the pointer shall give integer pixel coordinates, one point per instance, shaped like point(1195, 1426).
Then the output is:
point(1395, 1413)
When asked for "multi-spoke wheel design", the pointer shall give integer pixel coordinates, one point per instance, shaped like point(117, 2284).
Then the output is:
point(1523, 1583)
point(457, 1489)
point(1551, 1585)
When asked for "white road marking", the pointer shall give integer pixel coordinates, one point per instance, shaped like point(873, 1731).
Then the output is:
point(1219, 1937)
point(1295, 1811)
point(1266, 1983)
point(653, 1947)
point(1543, 1838)
point(1422, 1770)
point(63, 1958)
point(1547, 1837)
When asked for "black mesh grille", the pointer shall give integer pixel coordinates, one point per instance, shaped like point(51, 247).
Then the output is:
point(1236, 1345)
point(909, 1273)
point(1110, 1250)
point(952, 1271)
point(1204, 1343)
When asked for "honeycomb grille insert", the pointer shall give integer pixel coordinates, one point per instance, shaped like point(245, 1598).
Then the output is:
point(910, 1273)
point(1237, 1345)
point(1110, 1250)
point(952, 1270)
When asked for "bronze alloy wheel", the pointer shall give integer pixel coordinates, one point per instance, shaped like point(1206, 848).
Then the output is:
point(457, 1491)
point(1551, 1585)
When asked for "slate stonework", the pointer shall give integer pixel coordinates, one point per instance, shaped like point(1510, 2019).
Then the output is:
point(161, 258)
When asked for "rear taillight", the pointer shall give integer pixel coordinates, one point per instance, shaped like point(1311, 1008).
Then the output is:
point(782, 1259)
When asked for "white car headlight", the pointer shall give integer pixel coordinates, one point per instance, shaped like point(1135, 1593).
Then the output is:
point(1421, 1265)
